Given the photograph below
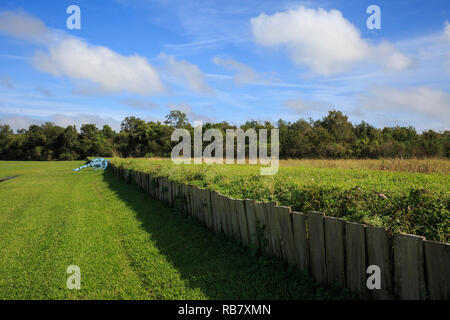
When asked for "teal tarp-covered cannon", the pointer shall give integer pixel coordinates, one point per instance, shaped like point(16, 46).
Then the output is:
point(96, 164)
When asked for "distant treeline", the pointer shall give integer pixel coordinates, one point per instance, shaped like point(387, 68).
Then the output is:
point(331, 137)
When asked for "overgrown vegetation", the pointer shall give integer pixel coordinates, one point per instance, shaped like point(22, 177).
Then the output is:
point(414, 203)
point(331, 137)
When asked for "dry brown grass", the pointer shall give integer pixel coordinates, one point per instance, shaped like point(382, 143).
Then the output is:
point(441, 166)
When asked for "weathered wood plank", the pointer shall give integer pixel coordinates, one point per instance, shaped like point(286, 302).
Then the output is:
point(191, 201)
point(275, 237)
point(215, 212)
point(300, 240)
point(150, 186)
point(242, 221)
point(197, 203)
point(355, 248)
point(334, 230)
point(208, 209)
point(379, 253)
point(234, 219)
point(184, 189)
point(226, 222)
point(251, 223)
point(409, 267)
point(262, 227)
point(317, 245)
point(287, 245)
point(437, 266)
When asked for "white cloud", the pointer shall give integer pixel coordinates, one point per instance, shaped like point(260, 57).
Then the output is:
point(390, 58)
point(23, 122)
point(186, 72)
point(140, 104)
point(94, 68)
point(323, 40)
point(21, 25)
point(109, 70)
point(447, 31)
point(191, 115)
point(43, 91)
point(446, 37)
point(243, 73)
point(6, 82)
point(300, 105)
point(423, 101)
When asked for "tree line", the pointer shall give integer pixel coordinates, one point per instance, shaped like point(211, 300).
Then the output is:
point(333, 136)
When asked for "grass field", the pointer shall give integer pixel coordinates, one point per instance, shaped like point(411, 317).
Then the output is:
point(394, 195)
point(126, 245)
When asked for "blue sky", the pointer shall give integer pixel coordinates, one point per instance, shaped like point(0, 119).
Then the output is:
point(225, 61)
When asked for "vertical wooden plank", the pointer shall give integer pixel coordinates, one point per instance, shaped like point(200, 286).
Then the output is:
point(166, 191)
point(251, 223)
point(228, 216)
point(355, 247)
point(196, 202)
point(150, 187)
point(159, 189)
point(169, 193)
point(317, 245)
point(191, 200)
point(208, 209)
point(214, 212)
point(141, 180)
point(234, 219)
point(379, 253)
point(184, 195)
point(201, 206)
point(262, 227)
point(287, 246)
point(437, 268)
point(409, 267)
point(242, 221)
point(224, 214)
point(300, 240)
point(334, 230)
point(275, 237)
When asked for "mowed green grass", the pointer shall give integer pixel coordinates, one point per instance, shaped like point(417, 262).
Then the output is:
point(126, 245)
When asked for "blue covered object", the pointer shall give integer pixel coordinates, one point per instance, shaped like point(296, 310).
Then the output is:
point(96, 164)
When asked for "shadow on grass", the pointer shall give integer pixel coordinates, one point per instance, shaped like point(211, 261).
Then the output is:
point(217, 266)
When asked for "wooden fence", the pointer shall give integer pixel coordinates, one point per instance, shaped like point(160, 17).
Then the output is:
point(331, 250)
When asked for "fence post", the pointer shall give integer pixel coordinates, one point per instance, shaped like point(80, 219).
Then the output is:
point(242, 221)
point(262, 227)
point(379, 253)
point(234, 219)
point(274, 230)
point(355, 247)
point(287, 246)
point(334, 230)
point(409, 267)
point(317, 245)
point(251, 222)
point(227, 226)
point(300, 241)
point(437, 266)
